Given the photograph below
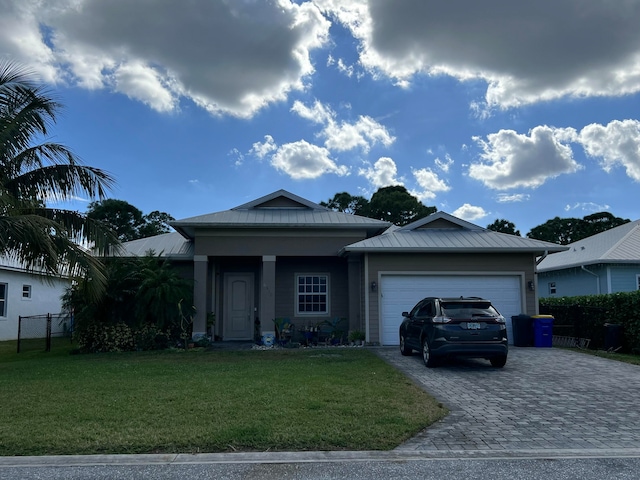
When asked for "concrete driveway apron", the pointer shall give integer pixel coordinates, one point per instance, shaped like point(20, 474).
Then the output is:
point(543, 399)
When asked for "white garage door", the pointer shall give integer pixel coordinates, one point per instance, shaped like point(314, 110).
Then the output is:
point(399, 293)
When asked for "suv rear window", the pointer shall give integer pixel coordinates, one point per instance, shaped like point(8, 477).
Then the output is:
point(468, 309)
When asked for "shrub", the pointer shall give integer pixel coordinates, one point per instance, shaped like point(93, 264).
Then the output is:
point(105, 338)
point(589, 313)
point(150, 337)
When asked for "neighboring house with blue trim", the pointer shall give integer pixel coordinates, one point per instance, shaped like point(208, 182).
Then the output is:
point(24, 293)
point(608, 262)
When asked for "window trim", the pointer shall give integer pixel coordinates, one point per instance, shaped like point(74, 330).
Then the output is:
point(4, 300)
point(28, 289)
point(638, 281)
point(297, 294)
point(552, 288)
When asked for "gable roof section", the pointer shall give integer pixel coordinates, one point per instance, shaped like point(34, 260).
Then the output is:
point(441, 232)
point(617, 245)
point(166, 245)
point(279, 209)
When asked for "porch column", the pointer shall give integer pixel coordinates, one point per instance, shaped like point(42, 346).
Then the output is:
point(200, 289)
point(354, 283)
point(268, 293)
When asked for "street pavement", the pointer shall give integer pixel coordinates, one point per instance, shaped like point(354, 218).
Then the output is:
point(549, 413)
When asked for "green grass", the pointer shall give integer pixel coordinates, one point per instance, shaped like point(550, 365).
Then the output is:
point(205, 401)
point(620, 357)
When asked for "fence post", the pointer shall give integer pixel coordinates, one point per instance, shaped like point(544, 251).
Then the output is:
point(48, 332)
point(19, 327)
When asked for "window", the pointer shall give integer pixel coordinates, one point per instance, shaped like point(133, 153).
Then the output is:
point(637, 282)
point(552, 288)
point(312, 294)
point(26, 291)
point(3, 299)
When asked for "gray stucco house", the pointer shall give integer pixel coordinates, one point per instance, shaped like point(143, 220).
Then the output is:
point(608, 262)
point(284, 256)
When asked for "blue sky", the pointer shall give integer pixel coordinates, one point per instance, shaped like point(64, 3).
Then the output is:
point(516, 110)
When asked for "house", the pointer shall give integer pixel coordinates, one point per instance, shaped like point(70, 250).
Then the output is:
point(607, 262)
point(24, 293)
point(284, 256)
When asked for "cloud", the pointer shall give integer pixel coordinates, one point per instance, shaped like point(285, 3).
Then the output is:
point(228, 57)
point(445, 164)
point(511, 160)
point(512, 198)
point(383, 173)
point(470, 212)
point(429, 183)
point(587, 207)
point(302, 160)
point(526, 52)
point(344, 136)
point(261, 150)
point(145, 84)
point(616, 144)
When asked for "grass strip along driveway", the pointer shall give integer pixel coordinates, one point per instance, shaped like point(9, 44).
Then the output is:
point(205, 401)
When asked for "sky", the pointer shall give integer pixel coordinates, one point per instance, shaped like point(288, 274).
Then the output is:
point(523, 111)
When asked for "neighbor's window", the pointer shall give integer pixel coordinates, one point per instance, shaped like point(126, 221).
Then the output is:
point(3, 299)
point(638, 282)
point(552, 288)
point(312, 294)
point(26, 291)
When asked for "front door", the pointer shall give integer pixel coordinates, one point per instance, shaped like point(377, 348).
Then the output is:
point(238, 306)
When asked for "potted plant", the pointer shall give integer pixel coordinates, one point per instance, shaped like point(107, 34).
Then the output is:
point(357, 337)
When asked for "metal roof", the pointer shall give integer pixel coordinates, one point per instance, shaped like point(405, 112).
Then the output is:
point(617, 245)
point(280, 209)
point(450, 235)
point(172, 245)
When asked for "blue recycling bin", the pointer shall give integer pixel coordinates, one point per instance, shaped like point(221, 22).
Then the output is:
point(543, 331)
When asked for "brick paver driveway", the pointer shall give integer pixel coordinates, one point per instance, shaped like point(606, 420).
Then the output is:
point(544, 398)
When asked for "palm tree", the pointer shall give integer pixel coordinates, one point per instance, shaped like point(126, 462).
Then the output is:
point(33, 171)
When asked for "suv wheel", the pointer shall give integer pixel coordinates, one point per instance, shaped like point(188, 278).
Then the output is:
point(427, 358)
point(498, 362)
point(404, 350)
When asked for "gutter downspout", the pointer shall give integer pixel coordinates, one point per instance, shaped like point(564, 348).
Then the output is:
point(544, 255)
point(582, 267)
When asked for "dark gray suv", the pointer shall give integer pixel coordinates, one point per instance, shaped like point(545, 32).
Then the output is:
point(464, 326)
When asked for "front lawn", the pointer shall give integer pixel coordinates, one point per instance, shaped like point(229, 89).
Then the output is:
point(205, 401)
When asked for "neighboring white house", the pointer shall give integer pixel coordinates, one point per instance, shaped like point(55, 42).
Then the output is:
point(24, 294)
point(608, 262)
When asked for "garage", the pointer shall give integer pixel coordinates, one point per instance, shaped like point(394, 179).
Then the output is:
point(400, 292)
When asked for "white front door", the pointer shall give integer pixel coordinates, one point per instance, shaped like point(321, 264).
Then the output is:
point(238, 306)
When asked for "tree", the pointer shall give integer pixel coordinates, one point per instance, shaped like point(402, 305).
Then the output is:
point(344, 202)
point(155, 223)
point(45, 239)
point(140, 308)
point(395, 204)
point(504, 226)
point(122, 217)
point(127, 221)
point(569, 230)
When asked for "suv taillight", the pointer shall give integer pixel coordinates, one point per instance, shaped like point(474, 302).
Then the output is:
point(441, 319)
point(500, 319)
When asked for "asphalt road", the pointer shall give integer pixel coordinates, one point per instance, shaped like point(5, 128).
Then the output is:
point(498, 468)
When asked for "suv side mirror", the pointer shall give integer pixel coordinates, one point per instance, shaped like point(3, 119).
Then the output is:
point(405, 314)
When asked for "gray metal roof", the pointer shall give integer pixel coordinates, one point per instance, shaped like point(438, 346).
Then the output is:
point(617, 245)
point(170, 245)
point(280, 209)
point(450, 235)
